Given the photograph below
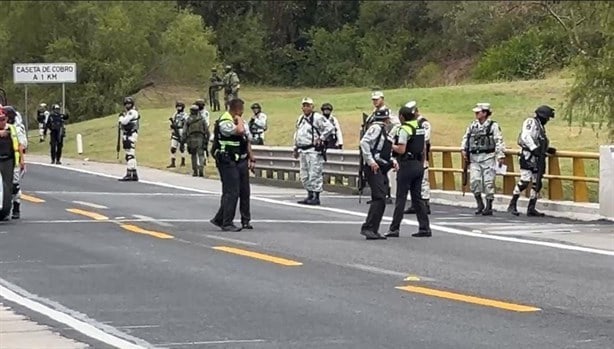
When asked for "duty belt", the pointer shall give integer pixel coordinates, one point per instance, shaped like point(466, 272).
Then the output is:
point(305, 147)
point(482, 151)
point(410, 156)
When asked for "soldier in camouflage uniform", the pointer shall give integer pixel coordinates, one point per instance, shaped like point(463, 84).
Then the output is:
point(231, 85)
point(196, 132)
point(215, 85)
point(312, 130)
point(483, 146)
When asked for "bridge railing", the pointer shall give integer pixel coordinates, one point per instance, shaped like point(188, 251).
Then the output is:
point(566, 176)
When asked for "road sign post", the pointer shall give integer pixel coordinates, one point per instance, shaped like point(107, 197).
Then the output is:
point(45, 73)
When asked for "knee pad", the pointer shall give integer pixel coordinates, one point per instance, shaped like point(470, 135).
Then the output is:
point(15, 188)
point(173, 150)
point(127, 144)
point(523, 185)
point(129, 157)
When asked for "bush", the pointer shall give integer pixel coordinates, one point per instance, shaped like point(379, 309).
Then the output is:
point(429, 75)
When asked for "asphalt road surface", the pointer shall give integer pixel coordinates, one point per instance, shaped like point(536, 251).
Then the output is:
point(142, 263)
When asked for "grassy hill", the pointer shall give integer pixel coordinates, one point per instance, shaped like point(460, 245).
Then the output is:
point(448, 109)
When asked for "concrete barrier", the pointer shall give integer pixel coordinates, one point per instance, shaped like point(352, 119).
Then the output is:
point(606, 181)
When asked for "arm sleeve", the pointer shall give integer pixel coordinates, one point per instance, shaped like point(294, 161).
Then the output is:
point(261, 120)
point(325, 126)
point(228, 128)
point(339, 133)
point(367, 142)
point(427, 131)
point(128, 117)
point(526, 135)
point(500, 144)
point(403, 136)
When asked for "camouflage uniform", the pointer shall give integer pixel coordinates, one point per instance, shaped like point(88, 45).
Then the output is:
point(310, 128)
point(231, 85)
point(484, 144)
point(215, 84)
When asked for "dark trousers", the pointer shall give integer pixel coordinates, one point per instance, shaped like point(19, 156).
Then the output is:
point(235, 175)
point(229, 175)
point(377, 183)
point(56, 141)
point(409, 179)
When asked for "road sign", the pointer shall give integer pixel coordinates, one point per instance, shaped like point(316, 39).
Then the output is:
point(44, 73)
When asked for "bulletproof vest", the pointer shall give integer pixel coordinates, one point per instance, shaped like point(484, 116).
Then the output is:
point(233, 144)
point(253, 128)
point(6, 148)
point(421, 122)
point(57, 121)
point(132, 126)
point(40, 116)
point(415, 141)
point(332, 138)
point(195, 125)
point(179, 120)
point(383, 156)
point(482, 141)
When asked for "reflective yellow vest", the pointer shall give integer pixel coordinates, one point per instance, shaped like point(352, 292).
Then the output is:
point(13, 132)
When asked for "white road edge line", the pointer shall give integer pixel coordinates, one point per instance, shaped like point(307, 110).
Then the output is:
point(152, 220)
point(359, 214)
point(85, 203)
point(91, 328)
point(243, 242)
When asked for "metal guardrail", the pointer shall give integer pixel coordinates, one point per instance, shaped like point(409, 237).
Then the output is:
point(341, 169)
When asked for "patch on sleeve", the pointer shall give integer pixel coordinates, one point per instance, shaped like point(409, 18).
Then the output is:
point(529, 124)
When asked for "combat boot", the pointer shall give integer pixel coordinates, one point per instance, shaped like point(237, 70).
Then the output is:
point(16, 211)
point(512, 207)
point(127, 177)
point(488, 210)
point(531, 211)
point(478, 199)
point(308, 198)
point(315, 199)
point(172, 165)
point(182, 162)
point(134, 177)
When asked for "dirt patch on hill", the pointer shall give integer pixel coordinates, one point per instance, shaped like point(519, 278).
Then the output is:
point(459, 70)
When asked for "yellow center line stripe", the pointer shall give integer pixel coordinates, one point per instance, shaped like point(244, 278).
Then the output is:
point(469, 299)
point(139, 230)
point(89, 214)
point(261, 256)
point(31, 198)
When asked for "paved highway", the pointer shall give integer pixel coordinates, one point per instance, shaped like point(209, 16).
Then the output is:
point(142, 263)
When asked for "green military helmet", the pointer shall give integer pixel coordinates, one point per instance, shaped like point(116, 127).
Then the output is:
point(200, 103)
point(214, 70)
point(227, 68)
point(256, 106)
point(327, 106)
point(194, 109)
point(179, 104)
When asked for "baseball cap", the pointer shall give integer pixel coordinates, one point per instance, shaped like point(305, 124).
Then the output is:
point(377, 94)
point(481, 106)
point(307, 100)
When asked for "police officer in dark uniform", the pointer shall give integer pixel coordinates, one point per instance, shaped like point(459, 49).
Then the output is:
point(410, 152)
point(55, 124)
point(232, 153)
point(376, 149)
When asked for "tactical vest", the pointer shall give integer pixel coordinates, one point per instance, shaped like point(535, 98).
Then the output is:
point(9, 147)
point(132, 126)
point(482, 141)
point(421, 122)
point(195, 125)
point(234, 145)
point(57, 122)
point(414, 149)
point(384, 155)
point(40, 116)
point(332, 139)
point(179, 120)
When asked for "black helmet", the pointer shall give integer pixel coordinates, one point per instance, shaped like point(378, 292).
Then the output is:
point(380, 115)
point(326, 106)
point(255, 106)
point(180, 104)
point(200, 103)
point(194, 109)
point(544, 112)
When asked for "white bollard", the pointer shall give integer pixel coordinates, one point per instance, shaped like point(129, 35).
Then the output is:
point(606, 184)
point(79, 144)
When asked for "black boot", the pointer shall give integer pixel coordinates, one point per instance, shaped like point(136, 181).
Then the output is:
point(172, 165)
point(308, 198)
point(127, 177)
point(531, 211)
point(16, 210)
point(182, 162)
point(135, 177)
point(512, 207)
point(478, 199)
point(315, 199)
point(488, 210)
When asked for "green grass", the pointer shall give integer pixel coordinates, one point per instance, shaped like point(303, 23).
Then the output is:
point(448, 109)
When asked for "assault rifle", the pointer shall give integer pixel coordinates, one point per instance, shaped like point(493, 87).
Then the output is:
point(541, 165)
point(466, 165)
point(119, 135)
point(361, 163)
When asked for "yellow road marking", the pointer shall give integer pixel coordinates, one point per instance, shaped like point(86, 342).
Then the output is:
point(31, 198)
point(261, 256)
point(89, 214)
point(139, 230)
point(468, 299)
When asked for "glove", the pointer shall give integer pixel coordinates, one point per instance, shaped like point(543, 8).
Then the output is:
point(551, 151)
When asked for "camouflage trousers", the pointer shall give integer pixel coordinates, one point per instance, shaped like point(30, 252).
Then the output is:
point(526, 177)
point(425, 190)
point(311, 171)
point(483, 177)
